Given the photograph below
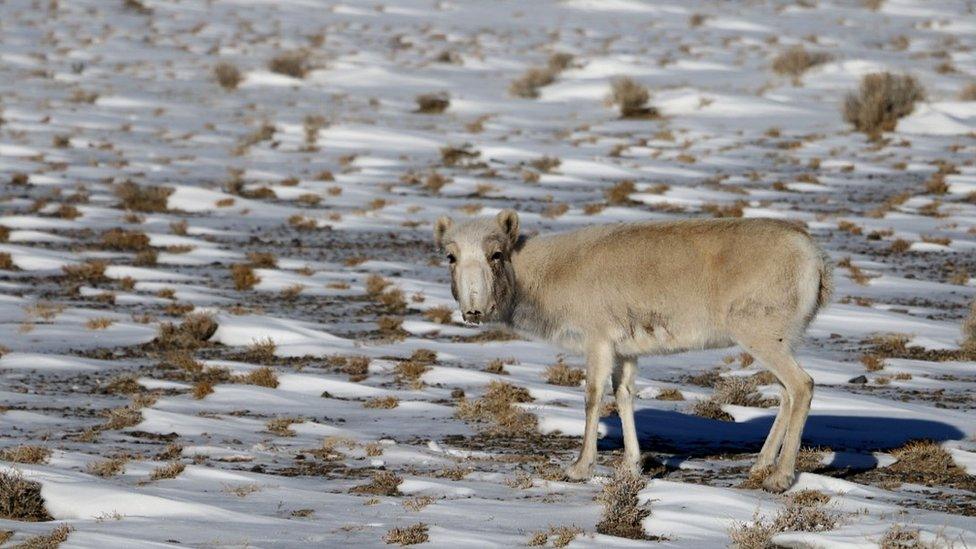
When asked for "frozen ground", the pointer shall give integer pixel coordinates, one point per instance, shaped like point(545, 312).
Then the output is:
point(94, 93)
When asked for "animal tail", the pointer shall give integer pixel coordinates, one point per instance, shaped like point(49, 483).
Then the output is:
point(826, 281)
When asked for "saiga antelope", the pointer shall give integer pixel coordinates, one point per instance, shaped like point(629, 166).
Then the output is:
point(617, 292)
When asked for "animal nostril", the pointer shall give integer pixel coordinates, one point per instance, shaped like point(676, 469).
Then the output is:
point(474, 313)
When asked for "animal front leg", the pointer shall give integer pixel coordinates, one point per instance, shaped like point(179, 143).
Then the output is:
point(599, 364)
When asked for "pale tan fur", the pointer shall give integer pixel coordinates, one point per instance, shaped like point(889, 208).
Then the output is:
point(617, 292)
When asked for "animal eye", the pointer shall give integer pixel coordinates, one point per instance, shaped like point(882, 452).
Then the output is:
point(451, 258)
point(497, 256)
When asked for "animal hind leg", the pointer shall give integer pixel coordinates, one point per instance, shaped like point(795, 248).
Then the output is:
point(787, 430)
point(623, 388)
point(599, 363)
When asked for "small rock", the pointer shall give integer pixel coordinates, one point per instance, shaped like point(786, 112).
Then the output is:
point(859, 380)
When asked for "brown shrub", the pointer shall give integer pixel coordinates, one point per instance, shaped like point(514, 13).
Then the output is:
point(264, 376)
point(281, 426)
point(631, 98)
point(409, 372)
point(880, 101)
point(440, 314)
point(261, 350)
point(562, 536)
point(795, 61)
point(411, 535)
point(20, 499)
point(527, 86)
point(804, 512)
point(120, 239)
point(561, 374)
point(91, 271)
point(620, 193)
point(925, 462)
point(170, 470)
point(25, 454)
point(191, 333)
point(7, 262)
point(709, 408)
point(262, 260)
point(203, 388)
point(143, 198)
point(433, 103)
point(495, 408)
point(227, 75)
point(872, 362)
point(391, 327)
point(670, 393)
point(622, 510)
point(122, 418)
point(293, 63)
point(383, 403)
point(108, 467)
point(968, 93)
point(60, 534)
point(384, 483)
point(243, 276)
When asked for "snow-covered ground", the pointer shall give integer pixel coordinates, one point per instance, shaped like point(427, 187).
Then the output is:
point(338, 177)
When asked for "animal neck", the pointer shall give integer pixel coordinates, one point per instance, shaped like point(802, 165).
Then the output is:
point(525, 311)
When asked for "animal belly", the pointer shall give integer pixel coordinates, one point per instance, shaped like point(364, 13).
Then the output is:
point(660, 340)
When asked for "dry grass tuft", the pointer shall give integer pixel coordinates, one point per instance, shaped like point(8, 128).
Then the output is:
point(50, 540)
point(92, 272)
point(281, 426)
point(108, 467)
point(190, 334)
point(261, 350)
point(561, 536)
point(264, 376)
point(122, 418)
point(622, 511)
point(20, 499)
point(440, 314)
point(795, 61)
point(631, 98)
point(734, 390)
point(804, 512)
point(143, 198)
point(433, 103)
point(170, 470)
point(496, 410)
point(410, 372)
point(670, 393)
point(25, 453)
point(561, 374)
point(293, 63)
point(880, 101)
point(620, 193)
point(382, 403)
point(710, 409)
point(243, 276)
point(527, 86)
point(7, 262)
point(925, 462)
point(384, 483)
point(411, 535)
point(227, 75)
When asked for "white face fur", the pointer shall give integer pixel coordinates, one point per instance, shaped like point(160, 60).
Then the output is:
point(479, 255)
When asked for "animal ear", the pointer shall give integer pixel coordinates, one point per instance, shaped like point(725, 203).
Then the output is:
point(441, 226)
point(509, 222)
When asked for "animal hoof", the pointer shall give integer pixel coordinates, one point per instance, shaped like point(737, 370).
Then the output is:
point(578, 472)
point(778, 482)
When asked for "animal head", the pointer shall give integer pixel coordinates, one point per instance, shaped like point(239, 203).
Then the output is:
point(479, 253)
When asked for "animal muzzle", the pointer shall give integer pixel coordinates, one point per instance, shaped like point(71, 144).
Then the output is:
point(474, 294)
